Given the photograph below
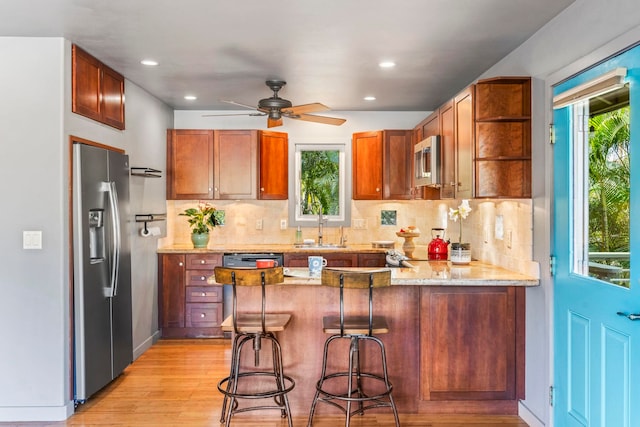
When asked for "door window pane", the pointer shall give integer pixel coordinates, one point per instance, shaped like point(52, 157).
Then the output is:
point(601, 187)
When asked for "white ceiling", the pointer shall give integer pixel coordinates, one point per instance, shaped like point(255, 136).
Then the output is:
point(326, 50)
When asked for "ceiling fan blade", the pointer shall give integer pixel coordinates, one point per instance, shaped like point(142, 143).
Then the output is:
point(271, 123)
point(305, 108)
point(238, 104)
point(320, 119)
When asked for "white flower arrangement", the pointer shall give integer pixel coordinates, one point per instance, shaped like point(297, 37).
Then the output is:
point(461, 213)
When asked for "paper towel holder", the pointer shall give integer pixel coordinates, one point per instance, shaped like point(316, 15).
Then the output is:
point(146, 218)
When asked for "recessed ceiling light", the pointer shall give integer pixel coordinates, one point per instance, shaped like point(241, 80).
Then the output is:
point(190, 97)
point(387, 64)
point(149, 62)
point(369, 98)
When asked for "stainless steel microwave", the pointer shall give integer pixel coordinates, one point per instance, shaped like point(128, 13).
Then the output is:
point(427, 162)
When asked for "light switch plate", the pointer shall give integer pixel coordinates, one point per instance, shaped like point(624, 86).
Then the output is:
point(32, 239)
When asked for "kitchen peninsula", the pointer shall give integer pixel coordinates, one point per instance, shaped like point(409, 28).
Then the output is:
point(456, 341)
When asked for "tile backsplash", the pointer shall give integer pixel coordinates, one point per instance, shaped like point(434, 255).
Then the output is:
point(258, 222)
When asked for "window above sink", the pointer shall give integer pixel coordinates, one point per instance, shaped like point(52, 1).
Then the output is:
point(320, 179)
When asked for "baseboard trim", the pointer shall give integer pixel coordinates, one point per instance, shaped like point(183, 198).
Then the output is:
point(528, 416)
point(145, 345)
point(36, 413)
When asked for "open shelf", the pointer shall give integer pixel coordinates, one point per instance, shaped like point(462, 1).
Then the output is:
point(146, 172)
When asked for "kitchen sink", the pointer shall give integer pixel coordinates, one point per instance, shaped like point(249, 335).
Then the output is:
point(317, 246)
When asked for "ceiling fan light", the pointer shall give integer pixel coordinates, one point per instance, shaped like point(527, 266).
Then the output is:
point(274, 114)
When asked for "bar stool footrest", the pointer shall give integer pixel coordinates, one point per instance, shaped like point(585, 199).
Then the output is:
point(287, 381)
point(344, 396)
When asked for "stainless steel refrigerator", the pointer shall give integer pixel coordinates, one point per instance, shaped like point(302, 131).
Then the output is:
point(102, 268)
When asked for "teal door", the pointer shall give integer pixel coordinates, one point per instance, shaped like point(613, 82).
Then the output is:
point(596, 246)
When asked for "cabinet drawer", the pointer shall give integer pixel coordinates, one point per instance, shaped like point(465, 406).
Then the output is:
point(204, 294)
point(200, 315)
point(198, 277)
point(204, 261)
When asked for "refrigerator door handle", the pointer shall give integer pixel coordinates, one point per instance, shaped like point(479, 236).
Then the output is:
point(115, 215)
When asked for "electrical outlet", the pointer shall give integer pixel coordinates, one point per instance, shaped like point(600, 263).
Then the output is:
point(283, 224)
point(359, 224)
point(259, 224)
point(499, 227)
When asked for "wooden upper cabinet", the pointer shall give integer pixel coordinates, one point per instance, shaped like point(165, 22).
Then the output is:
point(273, 160)
point(236, 164)
point(503, 137)
point(97, 91)
point(382, 165)
point(189, 164)
point(454, 123)
point(426, 128)
point(464, 138)
point(397, 170)
point(367, 165)
point(447, 151)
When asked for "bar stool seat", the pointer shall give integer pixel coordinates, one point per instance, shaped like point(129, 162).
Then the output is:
point(332, 388)
point(244, 383)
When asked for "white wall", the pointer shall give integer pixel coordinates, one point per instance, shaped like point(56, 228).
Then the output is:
point(307, 132)
point(33, 283)
point(35, 123)
point(586, 32)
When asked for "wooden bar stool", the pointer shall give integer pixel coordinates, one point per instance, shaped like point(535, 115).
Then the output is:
point(331, 387)
point(254, 328)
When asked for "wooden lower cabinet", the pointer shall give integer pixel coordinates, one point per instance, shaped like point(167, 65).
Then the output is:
point(189, 307)
point(337, 259)
point(472, 348)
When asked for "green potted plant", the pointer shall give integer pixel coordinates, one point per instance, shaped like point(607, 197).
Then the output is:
point(201, 220)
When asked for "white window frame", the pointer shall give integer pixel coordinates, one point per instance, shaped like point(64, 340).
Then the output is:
point(295, 212)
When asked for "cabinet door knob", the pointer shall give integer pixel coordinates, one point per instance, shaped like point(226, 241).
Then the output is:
point(261, 188)
point(203, 261)
point(209, 188)
point(203, 278)
point(181, 263)
point(202, 315)
point(204, 294)
point(377, 190)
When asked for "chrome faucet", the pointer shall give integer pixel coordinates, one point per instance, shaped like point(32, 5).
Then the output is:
point(321, 219)
point(343, 237)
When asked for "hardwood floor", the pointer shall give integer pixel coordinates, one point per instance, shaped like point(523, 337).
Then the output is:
point(174, 384)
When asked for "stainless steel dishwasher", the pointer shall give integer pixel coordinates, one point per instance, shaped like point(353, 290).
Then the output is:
point(243, 260)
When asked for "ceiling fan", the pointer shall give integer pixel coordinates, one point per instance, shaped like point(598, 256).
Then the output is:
point(276, 108)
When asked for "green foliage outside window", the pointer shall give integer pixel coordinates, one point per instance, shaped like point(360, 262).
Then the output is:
point(609, 185)
point(319, 182)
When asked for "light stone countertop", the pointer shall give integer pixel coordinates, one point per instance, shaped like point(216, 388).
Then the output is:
point(425, 273)
point(430, 273)
point(271, 248)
